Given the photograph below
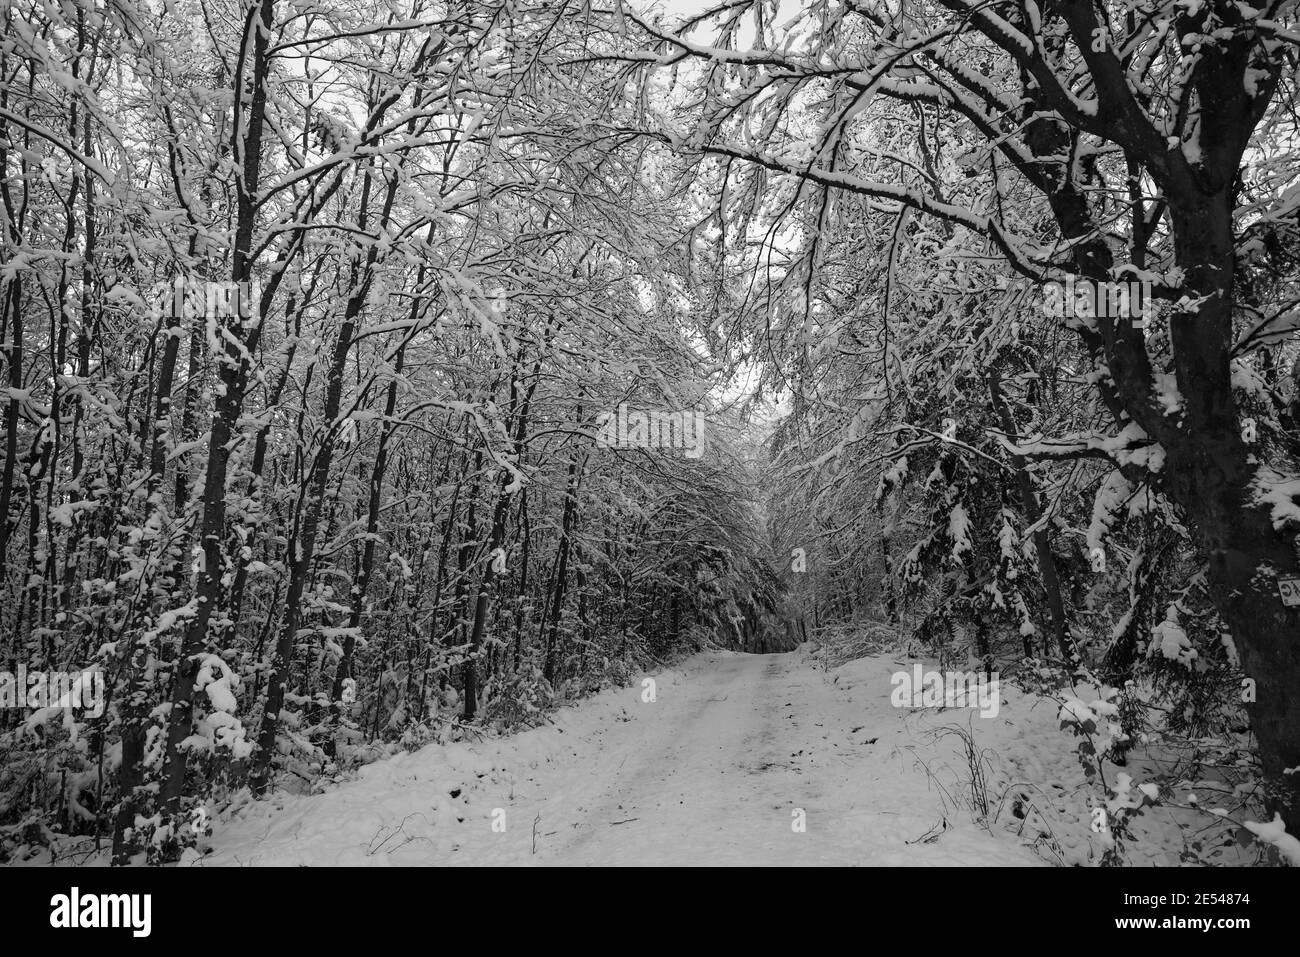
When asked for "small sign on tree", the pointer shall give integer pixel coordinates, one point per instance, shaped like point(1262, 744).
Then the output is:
point(1289, 589)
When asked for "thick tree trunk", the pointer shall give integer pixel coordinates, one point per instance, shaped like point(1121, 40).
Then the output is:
point(232, 376)
point(1210, 472)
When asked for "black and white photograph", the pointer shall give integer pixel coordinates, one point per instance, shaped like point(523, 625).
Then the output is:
point(650, 433)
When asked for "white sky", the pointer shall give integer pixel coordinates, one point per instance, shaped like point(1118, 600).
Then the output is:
point(677, 8)
point(747, 379)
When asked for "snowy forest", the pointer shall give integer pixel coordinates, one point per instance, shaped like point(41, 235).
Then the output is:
point(437, 390)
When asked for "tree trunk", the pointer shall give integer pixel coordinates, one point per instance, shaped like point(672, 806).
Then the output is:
point(232, 376)
point(1210, 472)
point(562, 567)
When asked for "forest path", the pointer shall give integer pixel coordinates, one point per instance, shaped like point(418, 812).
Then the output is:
point(714, 771)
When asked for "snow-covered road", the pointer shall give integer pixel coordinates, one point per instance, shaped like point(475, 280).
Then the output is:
point(734, 752)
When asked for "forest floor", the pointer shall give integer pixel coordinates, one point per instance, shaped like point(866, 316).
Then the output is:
point(721, 768)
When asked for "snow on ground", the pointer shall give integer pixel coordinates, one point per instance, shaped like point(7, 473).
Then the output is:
point(1035, 788)
point(714, 771)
